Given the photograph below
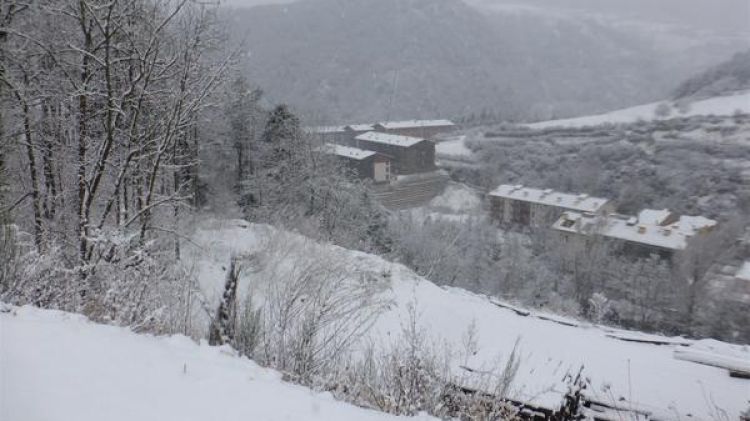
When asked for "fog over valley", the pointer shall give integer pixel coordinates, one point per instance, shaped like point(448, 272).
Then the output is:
point(375, 210)
point(362, 60)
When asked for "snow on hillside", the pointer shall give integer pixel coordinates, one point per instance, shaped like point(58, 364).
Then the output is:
point(724, 105)
point(641, 375)
point(453, 148)
point(59, 366)
point(457, 198)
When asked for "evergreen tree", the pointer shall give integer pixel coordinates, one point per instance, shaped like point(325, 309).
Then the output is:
point(243, 113)
point(282, 126)
point(283, 166)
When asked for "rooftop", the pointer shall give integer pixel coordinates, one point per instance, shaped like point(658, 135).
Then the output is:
point(622, 228)
point(390, 139)
point(654, 216)
point(347, 151)
point(409, 124)
point(325, 129)
point(361, 127)
point(580, 202)
point(630, 228)
point(693, 224)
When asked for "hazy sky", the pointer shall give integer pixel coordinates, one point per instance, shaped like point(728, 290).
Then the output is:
point(710, 14)
point(731, 15)
point(252, 2)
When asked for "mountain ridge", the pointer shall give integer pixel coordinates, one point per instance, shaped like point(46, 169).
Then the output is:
point(362, 60)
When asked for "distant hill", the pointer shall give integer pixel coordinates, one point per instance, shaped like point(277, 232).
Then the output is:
point(351, 60)
point(720, 105)
point(728, 77)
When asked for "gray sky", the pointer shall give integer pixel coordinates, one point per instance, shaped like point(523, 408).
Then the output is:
point(248, 3)
point(716, 15)
point(720, 15)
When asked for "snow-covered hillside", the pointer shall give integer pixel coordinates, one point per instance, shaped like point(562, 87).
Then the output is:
point(59, 366)
point(630, 374)
point(723, 105)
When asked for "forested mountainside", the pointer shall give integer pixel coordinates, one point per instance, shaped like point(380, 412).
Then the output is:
point(731, 76)
point(364, 60)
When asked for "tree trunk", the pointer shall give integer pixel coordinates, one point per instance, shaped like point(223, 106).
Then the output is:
point(33, 173)
point(83, 223)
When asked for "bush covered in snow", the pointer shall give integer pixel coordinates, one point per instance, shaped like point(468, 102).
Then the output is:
point(124, 286)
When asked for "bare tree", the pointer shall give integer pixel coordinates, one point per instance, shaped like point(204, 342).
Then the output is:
point(692, 264)
point(119, 97)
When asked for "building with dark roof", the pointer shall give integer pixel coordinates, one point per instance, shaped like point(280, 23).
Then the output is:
point(409, 155)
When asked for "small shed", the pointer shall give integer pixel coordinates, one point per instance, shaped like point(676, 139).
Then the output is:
point(410, 155)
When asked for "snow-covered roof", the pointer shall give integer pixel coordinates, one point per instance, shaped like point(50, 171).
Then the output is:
point(580, 202)
point(744, 272)
point(654, 216)
point(390, 139)
point(361, 127)
point(347, 151)
point(325, 129)
point(410, 124)
point(625, 228)
point(693, 224)
point(650, 234)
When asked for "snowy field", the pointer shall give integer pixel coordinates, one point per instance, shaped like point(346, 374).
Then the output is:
point(624, 372)
point(60, 367)
point(453, 148)
point(457, 198)
point(724, 105)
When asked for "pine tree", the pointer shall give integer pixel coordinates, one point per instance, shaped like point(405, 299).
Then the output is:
point(282, 126)
point(243, 113)
point(283, 167)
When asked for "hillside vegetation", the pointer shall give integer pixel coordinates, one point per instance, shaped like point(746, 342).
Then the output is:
point(350, 60)
point(728, 77)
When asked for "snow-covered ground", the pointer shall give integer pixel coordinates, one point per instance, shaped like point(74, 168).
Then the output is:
point(621, 369)
point(453, 148)
point(744, 271)
point(452, 152)
point(58, 366)
point(458, 203)
point(723, 105)
point(640, 374)
point(457, 198)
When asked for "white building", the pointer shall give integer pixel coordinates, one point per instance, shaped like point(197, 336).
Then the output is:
point(660, 232)
point(536, 207)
